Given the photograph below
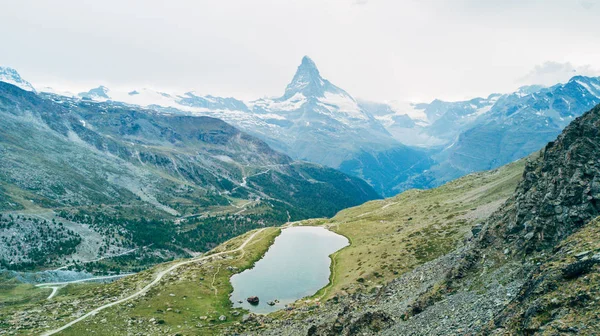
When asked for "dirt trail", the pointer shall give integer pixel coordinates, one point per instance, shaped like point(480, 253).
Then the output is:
point(156, 280)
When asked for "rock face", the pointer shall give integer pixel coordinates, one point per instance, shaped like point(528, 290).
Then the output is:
point(558, 296)
point(485, 133)
point(559, 193)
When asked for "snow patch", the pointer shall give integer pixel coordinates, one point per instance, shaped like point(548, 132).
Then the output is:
point(342, 103)
point(588, 88)
point(271, 116)
point(293, 103)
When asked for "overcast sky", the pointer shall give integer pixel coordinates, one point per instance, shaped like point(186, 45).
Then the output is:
point(374, 49)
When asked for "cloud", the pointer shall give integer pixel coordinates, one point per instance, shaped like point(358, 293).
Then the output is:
point(550, 73)
point(587, 4)
point(378, 50)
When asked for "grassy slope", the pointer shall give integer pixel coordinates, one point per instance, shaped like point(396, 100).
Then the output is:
point(392, 236)
point(199, 290)
point(388, 238)
point(13, 292)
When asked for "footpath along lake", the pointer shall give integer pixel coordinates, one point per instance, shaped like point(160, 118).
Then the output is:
point(295, 266)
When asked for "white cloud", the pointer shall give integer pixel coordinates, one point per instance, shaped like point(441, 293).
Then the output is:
point(550, 73)
point(587, 4)
point(381, 50)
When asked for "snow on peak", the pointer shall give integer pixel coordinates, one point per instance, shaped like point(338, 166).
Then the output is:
point(528, 89)
point(342, 103)
point(307, 62)
point(590, 84)
point(293, 103)
point(11, 76)
point(99, 93)
point(307, 80)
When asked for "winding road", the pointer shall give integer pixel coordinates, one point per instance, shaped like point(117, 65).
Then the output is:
point(55, 286)
point(156, 280)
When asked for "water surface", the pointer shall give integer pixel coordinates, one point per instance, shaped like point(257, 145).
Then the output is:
point(295, 266)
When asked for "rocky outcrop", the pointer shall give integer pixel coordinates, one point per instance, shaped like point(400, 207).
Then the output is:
point(561, 295)
point(559, 193)
point(370, 322)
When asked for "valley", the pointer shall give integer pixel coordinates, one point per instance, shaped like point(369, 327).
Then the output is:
point(419, 225)
point(202, 287)
point(105, 188)
point(454, 259)
point(119, 217)
point(300, 168)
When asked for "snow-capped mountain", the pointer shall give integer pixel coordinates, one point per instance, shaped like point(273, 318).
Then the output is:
point(191, 99)
point(315, 120)
point(146, 97)
point(99, 94)
point(439, 123)
point(485, 133)
point(429, 124)
point(309, 88)
point(522, 122)
point(11, 76)
point(322, 122)
point(516, 125)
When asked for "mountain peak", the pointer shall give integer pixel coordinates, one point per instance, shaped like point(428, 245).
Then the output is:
point(101, 92)
point(11, 76)
point(307, 80)
point(308, 63)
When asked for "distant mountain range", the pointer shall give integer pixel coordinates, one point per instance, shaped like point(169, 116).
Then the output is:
point(314, 121)
point(392, 146)
point(485, 133)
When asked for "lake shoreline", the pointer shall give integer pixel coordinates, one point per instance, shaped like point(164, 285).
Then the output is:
point(297, 265)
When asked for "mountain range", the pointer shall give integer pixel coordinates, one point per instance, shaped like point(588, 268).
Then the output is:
point(511, 251)
point(393, 146)
point(486, 133)
point(121, 184)
point(106, 165)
